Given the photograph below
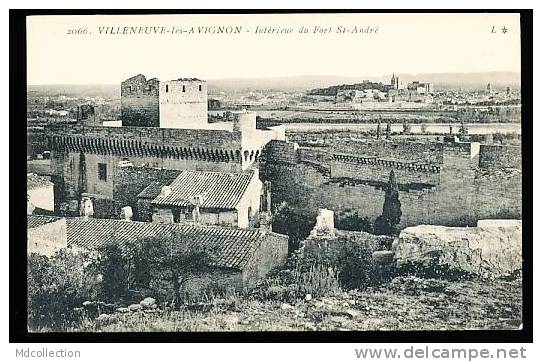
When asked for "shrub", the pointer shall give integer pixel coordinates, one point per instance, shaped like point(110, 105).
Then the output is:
point(350, 256)
point(354, 222)
point(56, 286)
point(294, 223)
point(113, 266)
point(319, 280)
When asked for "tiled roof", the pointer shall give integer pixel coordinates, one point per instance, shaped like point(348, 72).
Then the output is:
point(33, 181)
point(220, 190)
point(151, 191)
point(38, 220)
point(231, 247)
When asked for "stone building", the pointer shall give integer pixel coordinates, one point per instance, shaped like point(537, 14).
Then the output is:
point(88, 160)
point(208, 198)
point(40, 192)
point(46, 234)
point(239, 257)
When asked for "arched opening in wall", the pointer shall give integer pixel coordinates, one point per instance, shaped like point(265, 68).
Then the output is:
point(246, 154)
point(199, 87)
point(167, 88)
point(184, 89)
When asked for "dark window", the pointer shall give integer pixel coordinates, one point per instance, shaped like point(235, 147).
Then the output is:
point(102, 171)
point(184, 89)
point(200, 87)
point(129, 88)
point(176, 215)
point(167, 88)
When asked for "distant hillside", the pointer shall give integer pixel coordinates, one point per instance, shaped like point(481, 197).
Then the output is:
point(301, 83)
point(107, 91)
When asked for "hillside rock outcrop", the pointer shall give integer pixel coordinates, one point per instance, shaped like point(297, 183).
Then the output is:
point(492, 249)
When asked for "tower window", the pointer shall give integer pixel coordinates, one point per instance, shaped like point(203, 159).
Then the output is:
point(199, 87)
point(184, 89)
point(129, 88)
point(167, 88)
point(102, 171)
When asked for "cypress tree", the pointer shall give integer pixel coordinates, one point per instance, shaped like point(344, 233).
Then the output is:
point(386, 224)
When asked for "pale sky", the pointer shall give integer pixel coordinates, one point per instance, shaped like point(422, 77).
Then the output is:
point(404, 43)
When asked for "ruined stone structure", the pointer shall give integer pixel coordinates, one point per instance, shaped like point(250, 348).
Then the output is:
point(140, 104)
point(439, 183)
point(180, 103)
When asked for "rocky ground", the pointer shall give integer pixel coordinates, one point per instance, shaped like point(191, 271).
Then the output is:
point(405, 303)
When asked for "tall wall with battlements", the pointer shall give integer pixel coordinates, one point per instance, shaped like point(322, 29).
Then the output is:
point(439, 183)
point(87, 159)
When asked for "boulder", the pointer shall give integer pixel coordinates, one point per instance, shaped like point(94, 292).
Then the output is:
point(148, 303)
point(135, 307)
point(383, 257)
point(493, 248)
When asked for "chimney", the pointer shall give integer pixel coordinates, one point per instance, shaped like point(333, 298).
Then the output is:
point(197, 201)
point(29, 206)
point(126, 213)
point(87, 208)
point(165, 191)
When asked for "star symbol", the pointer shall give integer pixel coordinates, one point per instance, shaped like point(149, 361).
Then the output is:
point(504, 30)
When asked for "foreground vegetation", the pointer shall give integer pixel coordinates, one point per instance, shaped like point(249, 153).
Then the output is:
point(405, 303)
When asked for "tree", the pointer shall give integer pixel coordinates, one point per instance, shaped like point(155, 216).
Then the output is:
point(386, 224)
point(113, 266)
point(388, 131)
point(163, 265)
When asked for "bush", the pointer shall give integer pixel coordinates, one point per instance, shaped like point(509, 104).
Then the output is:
point(114, 268)
point(354, 222)
point(319, 280)
point(56, 286)
point(294, 223)
point(351, 257)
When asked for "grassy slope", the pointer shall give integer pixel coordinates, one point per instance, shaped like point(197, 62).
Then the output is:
point(403, 304)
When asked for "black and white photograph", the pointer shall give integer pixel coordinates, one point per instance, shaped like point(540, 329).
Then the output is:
point(306, 172)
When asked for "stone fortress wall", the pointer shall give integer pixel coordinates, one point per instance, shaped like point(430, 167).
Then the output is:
point(439, 183)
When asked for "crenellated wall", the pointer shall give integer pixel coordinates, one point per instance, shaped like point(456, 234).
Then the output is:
point(429, 153)
point(445, 186)
point(79, 152)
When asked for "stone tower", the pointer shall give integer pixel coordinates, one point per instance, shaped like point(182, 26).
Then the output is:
point(180, 103)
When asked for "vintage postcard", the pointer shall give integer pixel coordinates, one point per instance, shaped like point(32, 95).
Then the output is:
point(288, 171)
